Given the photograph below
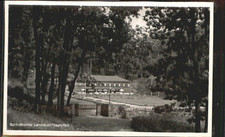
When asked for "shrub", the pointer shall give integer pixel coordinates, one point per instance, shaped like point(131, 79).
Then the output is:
point(122, 111)
point(163, 108)
point(183, 104)
point(20, 105)
point(15, 89)
point(16, 92)
point(166, 122)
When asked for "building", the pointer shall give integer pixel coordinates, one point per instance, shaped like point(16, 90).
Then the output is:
point(110, 81)
point(104, 84)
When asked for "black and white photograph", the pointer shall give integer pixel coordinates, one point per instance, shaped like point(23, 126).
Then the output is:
point(108, 68)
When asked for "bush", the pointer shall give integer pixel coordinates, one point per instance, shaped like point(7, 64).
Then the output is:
point(20, 105)
point(166, 122)
point(163, 108)
point(15, 89)
point(122, 111)
point(16, 92)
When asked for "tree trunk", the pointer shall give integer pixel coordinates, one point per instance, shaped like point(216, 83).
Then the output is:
point(26, 66)
point(197, 95)
point(105, 67)
point(197, 116)
point(195, 73)
point(58, 90)
point(91, 64)
point(64, 59)
point(63, 77)
point(44, 85)
point(51, 88)
point(72, 84)
point(38, 42)
point(206, 117)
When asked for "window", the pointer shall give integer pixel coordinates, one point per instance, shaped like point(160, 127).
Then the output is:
point(119, 85)
point(114, 85)
point(110, 85)
point(128, 85)
point(123, 85)
point(105, 84)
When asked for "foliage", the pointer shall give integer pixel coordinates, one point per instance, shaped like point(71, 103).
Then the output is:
point(122, 111)
point(164, 108)
point(184, 35)
point(61, 40)
point(20, 43)
point(166, 122)
point(16, 89)
point(20, 105)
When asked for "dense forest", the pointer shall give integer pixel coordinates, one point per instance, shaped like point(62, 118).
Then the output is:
point(59, 44)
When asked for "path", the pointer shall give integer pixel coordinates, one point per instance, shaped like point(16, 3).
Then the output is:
point(100, 123)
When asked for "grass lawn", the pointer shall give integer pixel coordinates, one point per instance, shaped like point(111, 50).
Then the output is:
point(135, 99)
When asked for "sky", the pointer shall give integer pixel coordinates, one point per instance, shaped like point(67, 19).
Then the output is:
point(139, 21)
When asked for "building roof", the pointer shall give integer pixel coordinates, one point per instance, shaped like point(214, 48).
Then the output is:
point(105, 78)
